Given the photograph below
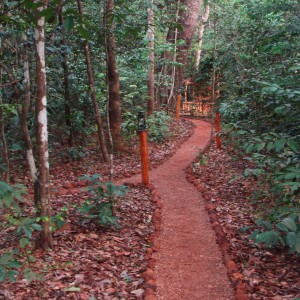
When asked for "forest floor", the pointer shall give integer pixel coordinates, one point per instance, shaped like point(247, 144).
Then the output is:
point(234, 202)
point(90, 261)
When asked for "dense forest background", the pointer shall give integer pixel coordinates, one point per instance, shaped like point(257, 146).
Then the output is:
point(72, 72)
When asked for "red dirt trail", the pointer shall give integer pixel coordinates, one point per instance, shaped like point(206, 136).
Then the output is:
point(188, 262)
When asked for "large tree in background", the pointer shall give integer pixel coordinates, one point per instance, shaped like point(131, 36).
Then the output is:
point(203, 21)
point(188, 19)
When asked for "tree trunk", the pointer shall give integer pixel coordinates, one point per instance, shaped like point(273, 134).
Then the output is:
point(203, 21)
point(173, 35)
point(188, 19)
point(93, 93)
point(42, 187)
point(2, 132)
point(151, 36)
point(3, 139)
point(23, 111)
point(67, 97)
point(114, 100)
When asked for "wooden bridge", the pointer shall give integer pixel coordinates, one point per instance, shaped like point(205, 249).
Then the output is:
point(196, 108)
point(198, 100)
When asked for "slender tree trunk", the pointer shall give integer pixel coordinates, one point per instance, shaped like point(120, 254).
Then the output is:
point(23, 111)
point(114, 100)
point(203, 21)
point(2, 130)
point(2, 124)
point(93, 93)
point(67, 97)
point(151, 36)
point(171, 95)
point(42, 186)
point(3, 137)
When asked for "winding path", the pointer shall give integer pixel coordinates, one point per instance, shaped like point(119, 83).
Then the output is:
point(188, 263)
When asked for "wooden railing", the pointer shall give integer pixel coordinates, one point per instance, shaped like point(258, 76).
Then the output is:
point(196, 108)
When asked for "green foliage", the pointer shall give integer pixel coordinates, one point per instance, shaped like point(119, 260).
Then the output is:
point(158, 126)
point(10, 199)
point(73, 153)
point(284, 230)
point(129, 125)
point(8, 266)
point(11, 196)
point(257, 65)
point(59, 219)
point(100, 204)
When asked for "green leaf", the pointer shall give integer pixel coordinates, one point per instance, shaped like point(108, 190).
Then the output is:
point(260, 146)
point(270, 146)
point(2, 274)
point(13, 264)
point(23, 242)
point(293, 145)
point(83, 32)
point(270, 238)
point(290, 223)
point(28, 231)
point(48, 13)
point(11, 275)
point(69, 23)
point(279, 144)
point(6, 257)
point(36, 226)
point(291, 239)
point(249, 148)
point(282, 227)
point(253, 235)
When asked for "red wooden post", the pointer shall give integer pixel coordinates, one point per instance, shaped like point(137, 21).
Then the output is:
point(144, 157)
point(142, 131)
point(218, 128)
point(178, 102)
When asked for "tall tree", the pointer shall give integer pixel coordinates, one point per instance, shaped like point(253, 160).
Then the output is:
point(202, 23)
point(188, 17)
point(93, 92)
point(114, 101)
point(42, 185)
point(151, 36)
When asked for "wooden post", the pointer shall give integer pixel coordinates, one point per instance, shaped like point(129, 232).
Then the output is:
point(218, 128)
point(178, 102)
point(144, 157)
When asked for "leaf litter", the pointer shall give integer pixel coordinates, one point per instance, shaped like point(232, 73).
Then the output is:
point(89, 261)
point(269, 273)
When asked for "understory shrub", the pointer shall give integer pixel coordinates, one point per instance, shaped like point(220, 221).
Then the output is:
point(100, 205)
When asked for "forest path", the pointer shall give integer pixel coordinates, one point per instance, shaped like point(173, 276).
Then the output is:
point(189, 262)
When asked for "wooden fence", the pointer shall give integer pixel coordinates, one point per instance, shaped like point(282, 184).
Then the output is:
point(196, 108)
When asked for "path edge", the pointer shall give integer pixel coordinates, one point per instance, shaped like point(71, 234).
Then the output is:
point(233, 273)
